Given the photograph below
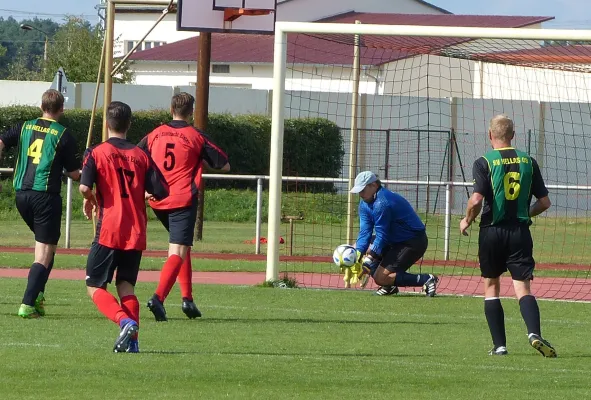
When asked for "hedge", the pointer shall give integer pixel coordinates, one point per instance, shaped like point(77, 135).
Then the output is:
point(312, 146)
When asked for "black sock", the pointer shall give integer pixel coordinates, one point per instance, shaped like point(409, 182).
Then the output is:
point(531, 314)
point(495, 316)
point(404, 279)
point(48, 272)
point(37, 275)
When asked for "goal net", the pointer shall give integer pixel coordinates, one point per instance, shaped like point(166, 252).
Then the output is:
point(415, 110)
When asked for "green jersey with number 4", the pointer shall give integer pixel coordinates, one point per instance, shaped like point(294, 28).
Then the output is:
point(511, 173)
point(37, 150)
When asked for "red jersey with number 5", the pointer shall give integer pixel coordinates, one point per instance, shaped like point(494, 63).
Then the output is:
point(179, 149)
point(122, 173)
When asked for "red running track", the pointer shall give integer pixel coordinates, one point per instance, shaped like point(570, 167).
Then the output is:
point(548, 288)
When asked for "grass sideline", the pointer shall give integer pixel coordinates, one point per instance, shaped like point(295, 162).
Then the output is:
point(291, 344)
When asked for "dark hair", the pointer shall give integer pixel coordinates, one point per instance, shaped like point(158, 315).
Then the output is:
point(118, 117)
point(182, 104)
point(52, 101)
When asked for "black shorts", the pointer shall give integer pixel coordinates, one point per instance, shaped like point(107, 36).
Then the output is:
point(180, 224)
point(502, 248)
point(400, 257)
point(103, 261)
point(42, 212)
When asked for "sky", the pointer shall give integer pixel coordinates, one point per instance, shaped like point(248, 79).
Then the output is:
point(569, 13)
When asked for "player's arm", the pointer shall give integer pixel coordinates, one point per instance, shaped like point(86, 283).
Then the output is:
point(540, 191)
point(365, 228)
point(70, 161)
point(382, 215)
point(214, 157)
point(156, 184)
point(10, 138)
point(87, 181)
point(480, 173)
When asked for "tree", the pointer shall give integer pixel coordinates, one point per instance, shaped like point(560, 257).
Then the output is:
point(23, 47)
point(19, 69)
point(76, 47)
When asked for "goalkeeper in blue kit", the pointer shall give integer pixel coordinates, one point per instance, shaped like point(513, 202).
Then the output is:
point(399, 242)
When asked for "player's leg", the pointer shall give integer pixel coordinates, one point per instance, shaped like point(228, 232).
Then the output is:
point(399, 259)
point(43, 216)
point(492, 258)
point(127, 271)
point(182, 231)
point(100, 267)
point(168, 275)
point(521, 264)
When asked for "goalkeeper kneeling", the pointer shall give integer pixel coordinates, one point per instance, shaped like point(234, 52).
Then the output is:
point(400, 239)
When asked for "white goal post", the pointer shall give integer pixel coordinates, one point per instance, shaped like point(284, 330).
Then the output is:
point(279, 76)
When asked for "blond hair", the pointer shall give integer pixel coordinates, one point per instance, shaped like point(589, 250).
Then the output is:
point(501, 127)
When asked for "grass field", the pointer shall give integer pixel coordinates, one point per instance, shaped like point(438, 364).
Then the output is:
point(263, 343)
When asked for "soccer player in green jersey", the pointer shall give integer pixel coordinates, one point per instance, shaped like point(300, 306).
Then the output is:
point(505, 179)
point(44, 150)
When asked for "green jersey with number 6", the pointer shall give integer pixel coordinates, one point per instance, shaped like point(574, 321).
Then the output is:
point(507, 178)
point(38, 148)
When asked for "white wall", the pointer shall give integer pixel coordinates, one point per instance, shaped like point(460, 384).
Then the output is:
point(13, 93)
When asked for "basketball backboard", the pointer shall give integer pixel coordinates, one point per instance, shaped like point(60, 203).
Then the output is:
point(212, 16)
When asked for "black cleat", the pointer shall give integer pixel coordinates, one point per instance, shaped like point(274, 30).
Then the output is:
point(157, 308)
point(387, 290)
point(430, 287)
point(190, 309)
point(541, 345)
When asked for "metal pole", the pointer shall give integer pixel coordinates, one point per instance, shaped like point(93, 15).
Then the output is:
point(108, 92)
point(68, 212)
point(447, 221)
point(257, 247)
point(276, 158)
point(353, 139)
point(201, 112)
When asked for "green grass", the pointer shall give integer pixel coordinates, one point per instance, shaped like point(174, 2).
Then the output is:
point(291, 344)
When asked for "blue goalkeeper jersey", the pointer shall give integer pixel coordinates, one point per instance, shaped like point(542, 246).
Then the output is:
point(392, 217)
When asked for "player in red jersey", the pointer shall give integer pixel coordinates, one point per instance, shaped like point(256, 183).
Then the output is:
point(180, 151)
point(122, 174)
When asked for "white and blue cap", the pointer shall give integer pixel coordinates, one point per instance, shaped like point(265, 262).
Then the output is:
point(363, 179)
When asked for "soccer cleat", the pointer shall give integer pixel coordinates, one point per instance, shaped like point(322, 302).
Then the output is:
point(133, 346)
point(190, 309)
point(40, 304)
point(541, 345)
point(387, 290)
point(128, 328)
point(498, 351)
point(28, 312)
point(430, 287)
point(157, 308)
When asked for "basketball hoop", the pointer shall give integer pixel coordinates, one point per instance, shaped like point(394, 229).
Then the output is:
point(232, 14)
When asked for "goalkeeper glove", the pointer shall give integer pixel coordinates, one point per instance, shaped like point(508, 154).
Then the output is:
point(370, 264)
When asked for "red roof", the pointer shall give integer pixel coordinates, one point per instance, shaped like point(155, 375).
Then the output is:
point(333, 49)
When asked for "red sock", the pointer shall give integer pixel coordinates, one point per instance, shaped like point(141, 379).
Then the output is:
point(186, 277)
point(108, 305)
point(168, 275)
point(131, 306)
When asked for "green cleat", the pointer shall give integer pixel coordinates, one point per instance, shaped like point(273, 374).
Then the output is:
point(27, 312)
point(40, 304)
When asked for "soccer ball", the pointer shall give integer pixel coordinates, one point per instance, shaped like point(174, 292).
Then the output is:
point(344, 256)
